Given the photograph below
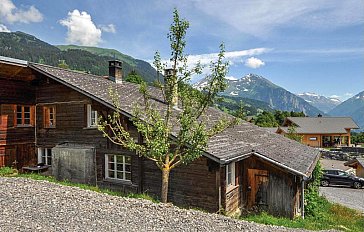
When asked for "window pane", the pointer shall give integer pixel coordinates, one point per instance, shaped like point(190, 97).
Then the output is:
point(49, 160)
point(18, 109)
point(120, 159)
point(27, 121)
point(127, 176)
point(19, 121)
point(127, 168)
point(111, 174)
point(26, 109)
point(111, 166)
point(127, 159)
point(120, 167)
point(120, 175)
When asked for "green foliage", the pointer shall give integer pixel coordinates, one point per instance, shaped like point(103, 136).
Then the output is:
point(313, 201)
point(87, 59)
point(134, 77)
point(8, 171)
point(333, 217)
point(269, 119)
point(266, 119)
point(63, 64)
point(357, 137)
point(156, 121)
point(292, 134)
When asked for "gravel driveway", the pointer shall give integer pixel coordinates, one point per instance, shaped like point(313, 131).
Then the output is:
point(352, 198)
point(29, 205)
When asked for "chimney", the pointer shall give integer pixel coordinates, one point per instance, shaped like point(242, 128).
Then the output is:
point(115, 71)
point(171, 86)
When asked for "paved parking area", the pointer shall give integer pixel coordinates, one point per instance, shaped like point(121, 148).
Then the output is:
point(350, 197)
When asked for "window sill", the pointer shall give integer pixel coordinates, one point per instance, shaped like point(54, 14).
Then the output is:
point(23, 126)
point(116, 181)
point(90, 128)
point(231, 188)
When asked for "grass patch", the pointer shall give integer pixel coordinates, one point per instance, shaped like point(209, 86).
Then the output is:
point(9, 172)
point(333, 216)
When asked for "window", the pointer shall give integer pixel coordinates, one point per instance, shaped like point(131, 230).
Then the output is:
point(49, 116)
point(23, 115)
point(118, 167)
point(230, 174)
point(91, 117)
point(45, 156)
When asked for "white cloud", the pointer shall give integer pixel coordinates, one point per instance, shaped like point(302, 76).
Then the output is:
point(81, 29)
point(108, 28)
point(348, 94)
point(10, 13)
point(260, 18)
point(3, 28)
point(231, 57)
point(253, 62)
point(335, 96)
point(231, 78)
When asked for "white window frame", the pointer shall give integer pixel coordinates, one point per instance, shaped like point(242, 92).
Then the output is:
point(230, 168)
point(313, 138)
point(115, 170)
point(44, 154)
point(91, 121)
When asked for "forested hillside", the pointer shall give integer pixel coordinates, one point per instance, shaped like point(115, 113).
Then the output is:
point(27, 47)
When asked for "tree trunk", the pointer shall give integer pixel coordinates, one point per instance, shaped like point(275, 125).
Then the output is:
point(165, 181)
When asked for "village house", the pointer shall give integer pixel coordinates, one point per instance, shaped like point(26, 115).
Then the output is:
point(358, 165)
point(320, 131)
point(49, 115)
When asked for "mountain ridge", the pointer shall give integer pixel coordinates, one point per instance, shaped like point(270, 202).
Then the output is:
point(259, 88)
point(322, 103)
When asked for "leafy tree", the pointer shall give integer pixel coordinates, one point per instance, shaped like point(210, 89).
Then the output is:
point(266, 119)
point(63, 64)
point(357, 137)
point(156, 122)
point(292, 134)
point(134, 77)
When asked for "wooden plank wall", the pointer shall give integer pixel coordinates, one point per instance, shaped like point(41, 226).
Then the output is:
point(193, 185)
point(282, 187)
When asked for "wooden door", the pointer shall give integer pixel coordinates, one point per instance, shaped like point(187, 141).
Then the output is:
point(257, 187)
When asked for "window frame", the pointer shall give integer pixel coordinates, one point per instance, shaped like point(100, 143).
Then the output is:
point(92, 122)
point(115, 170)
point(22, 118)
point(230, 182)
point(45, 155)
point(47, 116)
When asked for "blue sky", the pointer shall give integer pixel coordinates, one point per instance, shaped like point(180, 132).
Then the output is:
point(301, 45)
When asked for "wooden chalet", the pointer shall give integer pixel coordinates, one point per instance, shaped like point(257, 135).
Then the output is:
point(321, 131)
point(49, 115)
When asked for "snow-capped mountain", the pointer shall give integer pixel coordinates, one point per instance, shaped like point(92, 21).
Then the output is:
point(353, 107)
point(322, 103)
point(258, 88)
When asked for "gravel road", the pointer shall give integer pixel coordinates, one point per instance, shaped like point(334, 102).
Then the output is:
point(352, 198)
point(29, 205)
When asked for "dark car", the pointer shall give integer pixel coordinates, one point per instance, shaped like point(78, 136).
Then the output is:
point(339, 177)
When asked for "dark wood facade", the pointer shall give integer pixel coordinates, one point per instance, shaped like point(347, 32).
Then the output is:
point(202, 184)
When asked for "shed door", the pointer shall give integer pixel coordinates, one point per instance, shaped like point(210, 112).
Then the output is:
point(258, 186)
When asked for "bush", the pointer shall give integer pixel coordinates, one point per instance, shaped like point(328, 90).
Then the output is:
point(314, 203)
point(8, 171)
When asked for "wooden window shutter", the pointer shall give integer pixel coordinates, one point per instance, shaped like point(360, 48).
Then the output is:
point(32, 115)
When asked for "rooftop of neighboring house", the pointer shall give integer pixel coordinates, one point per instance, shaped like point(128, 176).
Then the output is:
point(354, 162)
point(235, 143)
point(319, 125)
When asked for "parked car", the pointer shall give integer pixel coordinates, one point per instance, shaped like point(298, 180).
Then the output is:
point(339, 177)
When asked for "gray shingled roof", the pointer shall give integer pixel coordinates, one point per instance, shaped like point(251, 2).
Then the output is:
point(241, 140)
point(322, 125)
point(356, 160)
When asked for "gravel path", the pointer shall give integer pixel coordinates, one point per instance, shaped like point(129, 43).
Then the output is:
point(352, 198)
point(29, 205)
